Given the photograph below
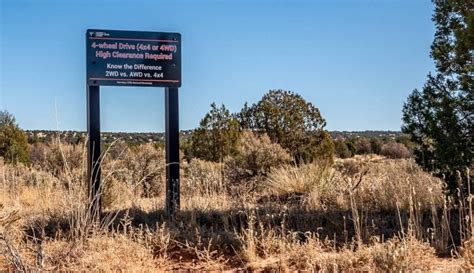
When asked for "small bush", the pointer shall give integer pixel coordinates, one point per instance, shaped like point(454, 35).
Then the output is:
point(141, 168)
point(363, 146)
point(395, 150)
point(341, 149)
point(256, 155)
point(57, 157)
point(375, 145)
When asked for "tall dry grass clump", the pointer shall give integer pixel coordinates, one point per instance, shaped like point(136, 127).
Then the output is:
point(282, 249)
point(369, 191)
point(202, 177)
point(204, 186)
point(376, 183)
point(390, 184)
point(314, 181)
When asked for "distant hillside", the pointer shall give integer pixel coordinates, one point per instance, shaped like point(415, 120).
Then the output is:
point(140, 138)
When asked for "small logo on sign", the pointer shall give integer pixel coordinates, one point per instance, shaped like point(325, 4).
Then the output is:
point(91, 33)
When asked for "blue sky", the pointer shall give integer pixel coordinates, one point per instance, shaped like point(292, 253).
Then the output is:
point(357, 61)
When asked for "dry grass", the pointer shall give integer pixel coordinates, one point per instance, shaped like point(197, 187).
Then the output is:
point(467, 254)
point(290, 179)
point(367, 213)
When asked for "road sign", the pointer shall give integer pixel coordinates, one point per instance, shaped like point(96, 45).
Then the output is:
point(133, 58)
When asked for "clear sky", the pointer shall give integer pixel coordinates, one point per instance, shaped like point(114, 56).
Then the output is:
point(357, 61)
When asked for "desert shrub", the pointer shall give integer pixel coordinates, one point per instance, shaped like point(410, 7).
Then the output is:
point(13, 141)
point(202, 177)
point(256, 155)
point(57, 157)
point(214, 226)
point(351, 146)
point(406, 140)
point(115, 193)
point(376, 145)
point(316, 255)
point(117, 150)
point(37, 191)
point(320, 148)
point(395, 150)
point(341, 149)
point(363, 146)
point(141, 168)
point(273, 250)
point(37, 152)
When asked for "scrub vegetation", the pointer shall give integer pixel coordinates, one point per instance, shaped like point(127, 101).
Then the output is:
point(255, 210)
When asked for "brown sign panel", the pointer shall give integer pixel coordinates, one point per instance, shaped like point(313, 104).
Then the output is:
point(133, 58)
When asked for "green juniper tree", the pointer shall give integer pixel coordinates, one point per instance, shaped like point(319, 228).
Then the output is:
point(439, 118)
point(341, 149)
point(217, 135)
point(13, 141)
point(292, 122)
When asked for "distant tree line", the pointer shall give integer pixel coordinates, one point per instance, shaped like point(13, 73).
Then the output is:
point(133, 138)
point(301, 133)
point(77, 137)
point(397, 147)
point(294, 124)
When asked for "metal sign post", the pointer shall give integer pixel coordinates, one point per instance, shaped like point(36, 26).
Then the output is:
point(133, 58)
point(93, 149)
point(172, 150)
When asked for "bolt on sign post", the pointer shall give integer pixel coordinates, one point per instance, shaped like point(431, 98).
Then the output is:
point(133, 58)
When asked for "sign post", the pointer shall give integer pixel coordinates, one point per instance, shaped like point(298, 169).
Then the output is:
point(133, 58)
point(172, 150)
point(93, 149)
